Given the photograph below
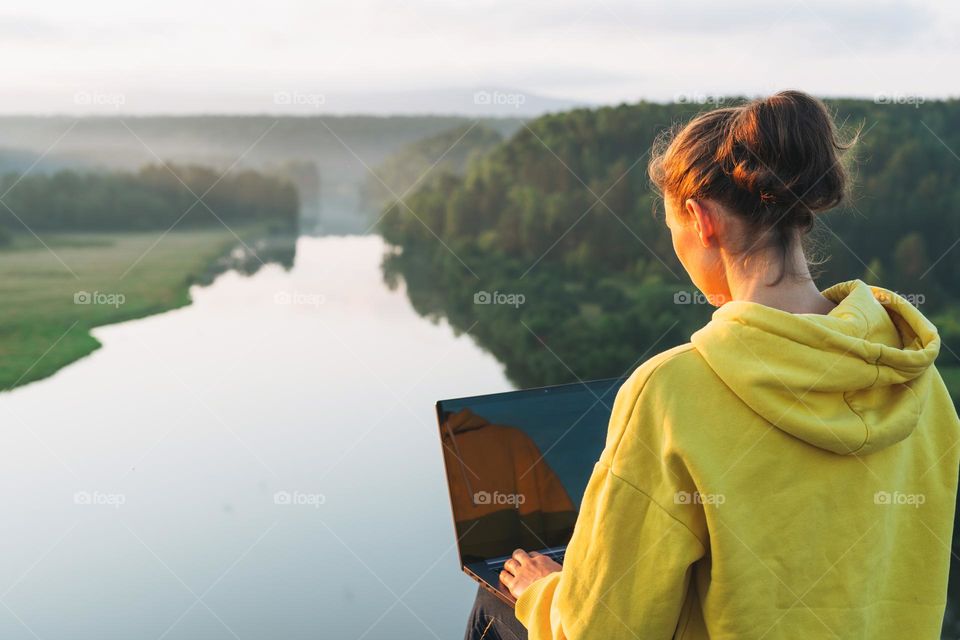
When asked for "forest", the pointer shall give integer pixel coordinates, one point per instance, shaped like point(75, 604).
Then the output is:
point(153, 198)
point(563, 214)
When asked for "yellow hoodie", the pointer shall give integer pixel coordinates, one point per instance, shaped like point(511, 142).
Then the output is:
point(783, 476)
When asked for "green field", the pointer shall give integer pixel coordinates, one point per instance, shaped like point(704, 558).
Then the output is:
point(42, 328)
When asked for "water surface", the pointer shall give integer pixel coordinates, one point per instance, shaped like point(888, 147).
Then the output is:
point(260, 464)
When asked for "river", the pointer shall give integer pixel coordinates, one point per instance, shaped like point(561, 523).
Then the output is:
point(262, 464)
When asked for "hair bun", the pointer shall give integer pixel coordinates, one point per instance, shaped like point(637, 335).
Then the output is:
point(783, 155)
point(774, 163)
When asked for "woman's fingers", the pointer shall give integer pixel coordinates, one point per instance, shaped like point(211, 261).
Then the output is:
point(523, 568)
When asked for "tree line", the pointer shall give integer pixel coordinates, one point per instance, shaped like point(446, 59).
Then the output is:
point(155, 197)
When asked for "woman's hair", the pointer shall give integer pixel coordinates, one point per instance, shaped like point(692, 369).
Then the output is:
point(774, 162)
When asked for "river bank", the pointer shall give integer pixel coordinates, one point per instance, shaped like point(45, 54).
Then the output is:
point(55, 290)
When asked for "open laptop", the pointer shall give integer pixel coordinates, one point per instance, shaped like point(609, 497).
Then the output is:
point(517, 466)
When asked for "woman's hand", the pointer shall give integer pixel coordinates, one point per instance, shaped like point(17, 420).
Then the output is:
point(523, 569)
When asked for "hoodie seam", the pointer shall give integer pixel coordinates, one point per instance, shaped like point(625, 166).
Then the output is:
point(866, 429)
point(658, 506)
point(876, 365)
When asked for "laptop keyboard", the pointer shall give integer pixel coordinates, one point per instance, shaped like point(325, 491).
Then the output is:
point(556, 554)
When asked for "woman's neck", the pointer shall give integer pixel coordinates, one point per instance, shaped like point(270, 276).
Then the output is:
point(790, 295)
point(794, 292)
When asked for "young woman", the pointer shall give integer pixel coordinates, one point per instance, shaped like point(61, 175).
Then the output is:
point(790, 473)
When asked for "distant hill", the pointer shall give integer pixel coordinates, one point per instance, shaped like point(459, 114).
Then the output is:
point(305, 100)
point(477, 102)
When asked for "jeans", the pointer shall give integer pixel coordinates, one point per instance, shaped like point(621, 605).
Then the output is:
point(493, 619)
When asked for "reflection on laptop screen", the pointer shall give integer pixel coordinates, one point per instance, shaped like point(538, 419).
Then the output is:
point(518, 463)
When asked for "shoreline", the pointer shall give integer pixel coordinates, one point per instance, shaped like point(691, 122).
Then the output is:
point(106, 278)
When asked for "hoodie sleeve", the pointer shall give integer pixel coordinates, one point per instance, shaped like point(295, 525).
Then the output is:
point(626, 571)
point(628, 566)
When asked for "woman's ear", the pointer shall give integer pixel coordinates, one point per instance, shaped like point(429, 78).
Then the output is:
point(704, 221)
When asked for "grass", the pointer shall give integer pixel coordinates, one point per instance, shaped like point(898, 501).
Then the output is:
point(43, 329)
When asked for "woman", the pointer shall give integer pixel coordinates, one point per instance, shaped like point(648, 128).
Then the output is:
point(790, 473)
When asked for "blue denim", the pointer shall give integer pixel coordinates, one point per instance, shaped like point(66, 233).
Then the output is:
point(493, 619)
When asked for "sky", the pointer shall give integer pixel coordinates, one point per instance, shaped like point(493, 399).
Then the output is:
point(292, 56)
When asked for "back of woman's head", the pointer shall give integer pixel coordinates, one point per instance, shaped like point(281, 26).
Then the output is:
point(774, 162)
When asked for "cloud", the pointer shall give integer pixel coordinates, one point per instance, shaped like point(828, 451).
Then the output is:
point(877, 24)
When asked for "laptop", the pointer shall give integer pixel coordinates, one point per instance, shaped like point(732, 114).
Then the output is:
point(517, 465)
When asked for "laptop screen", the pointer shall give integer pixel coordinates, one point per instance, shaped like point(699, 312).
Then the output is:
point(518, 463)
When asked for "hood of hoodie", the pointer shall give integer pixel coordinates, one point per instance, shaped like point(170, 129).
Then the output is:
point(852, 381)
